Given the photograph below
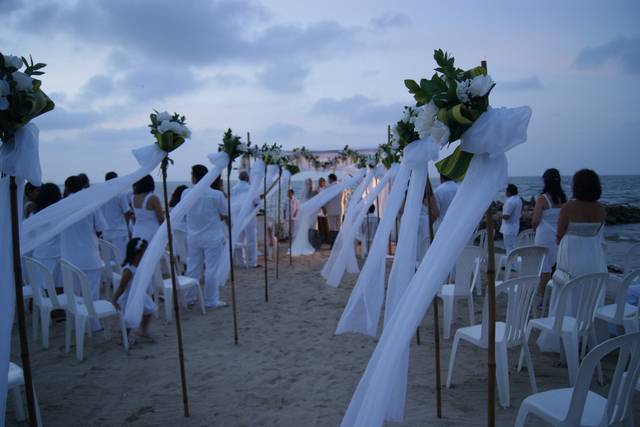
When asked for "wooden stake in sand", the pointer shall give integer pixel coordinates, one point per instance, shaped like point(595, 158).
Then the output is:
point(266, 257)
point(176, 307)
point(231, 267)
point(22, 324)
point(290, 224)
point(276, 247)
point(436, 317)
point(491, 294)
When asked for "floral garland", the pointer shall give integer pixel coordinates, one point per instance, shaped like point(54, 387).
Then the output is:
point(449, 103)
point(21, 96)
point(271, 154)
point(169, 130)
point(347, 154)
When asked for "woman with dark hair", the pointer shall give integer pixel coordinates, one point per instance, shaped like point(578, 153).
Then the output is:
point(545, 221)
point(180, 223)
point(146, 209)
point(48, 253)
point(30, 196)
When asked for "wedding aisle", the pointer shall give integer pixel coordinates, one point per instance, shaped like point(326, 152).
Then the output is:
point(288, 370)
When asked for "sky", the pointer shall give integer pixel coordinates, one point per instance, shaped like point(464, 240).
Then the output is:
point(323, 74)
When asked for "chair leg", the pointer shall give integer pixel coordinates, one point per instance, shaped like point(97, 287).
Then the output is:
point(571, 349)
point(532, 375)
point(452, 358)
point(34, 321)
point(527, 334)
point(447, 303)
point(201, 299)
point(81, 323)
point(522, 415)
point(168, 304)
point(471, 309)
point(594, 342)
point(45, 319)
point(123, 328)
point(67, 334)
point(502, 372)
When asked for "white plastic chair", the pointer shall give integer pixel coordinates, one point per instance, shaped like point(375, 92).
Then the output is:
point(15, 380)
point(180, 250)
point(479, 239)
point(579, 406)
point(184, 284)
point(467, 272)
point(527, 237)
point(82, 311)
point(511, 333)
point(585, 292)
point(620, 312)
point(110, 265)
point(45, 299)
point(526, 260)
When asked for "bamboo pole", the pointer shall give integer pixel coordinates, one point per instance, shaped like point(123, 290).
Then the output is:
point(277, 246)
point(249, 157)
point(436, 317)
point(266, 258)
point(231, 266)
point(22, 324)
point(176, 307)
point(491, 294)
point(290, 226)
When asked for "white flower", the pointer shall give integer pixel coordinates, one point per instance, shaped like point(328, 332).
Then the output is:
point(164, 126)
point(4, 103)
point(5, 89)
point(462, 91)
point(425, 120)
point(480, 85)
point(440, 133)
point(11, 61)
point(23, 81)
point(186, 132)
point(162, 117)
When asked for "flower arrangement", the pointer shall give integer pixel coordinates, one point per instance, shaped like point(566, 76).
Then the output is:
point(170, 130)
point(232, 145)
point(303, 153)
point(347, 154)
point(404, 131)
point(370, 161)
point(21, 96)
point(271, 154)
point(448, 105)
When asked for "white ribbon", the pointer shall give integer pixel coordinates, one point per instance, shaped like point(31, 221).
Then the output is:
point(502, 129)
point(157, 246)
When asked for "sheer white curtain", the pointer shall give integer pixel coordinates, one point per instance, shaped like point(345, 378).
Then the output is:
point(308, 210)
point(497, 131)
point(347, 251)
point(157, 246)
point(20, 159)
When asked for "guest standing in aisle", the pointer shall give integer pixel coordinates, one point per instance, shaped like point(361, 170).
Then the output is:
point(116, 213)
point(334, 210)
point(146, 209)
point(249, 236)
point(511, 212)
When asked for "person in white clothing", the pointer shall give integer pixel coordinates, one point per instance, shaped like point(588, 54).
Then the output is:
point(116, 213)
point(248, 236)
point(511, 211)
point(146, 209)
point(206, 237)
point(79, 244)
point(48, 253)
point(334, 209)
point(443, 194)
point(291, 210)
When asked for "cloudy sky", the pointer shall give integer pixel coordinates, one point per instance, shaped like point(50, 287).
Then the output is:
point(323, 74)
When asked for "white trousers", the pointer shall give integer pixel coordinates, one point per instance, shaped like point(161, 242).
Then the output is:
point(249, 236)
point(510, 242)
point(207, 257)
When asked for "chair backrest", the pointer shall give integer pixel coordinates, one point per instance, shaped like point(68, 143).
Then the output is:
point(620, 393)
point(621, 294)
point(467, 269)
point(180, 245)
point(479, 238)
point(584, 291)
point(528, 258)
point(632, 259)
point(73, 278)
point(110, 256)
point(520, 293)
point(41, 280)
point(526, 237)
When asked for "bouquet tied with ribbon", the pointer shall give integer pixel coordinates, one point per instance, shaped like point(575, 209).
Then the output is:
point(169, 130)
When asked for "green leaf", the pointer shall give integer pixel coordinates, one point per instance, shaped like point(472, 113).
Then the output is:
point(412, 86)
point(455, 165)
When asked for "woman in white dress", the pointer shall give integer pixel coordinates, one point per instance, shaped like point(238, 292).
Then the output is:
point(545, 221)
point(146, 209)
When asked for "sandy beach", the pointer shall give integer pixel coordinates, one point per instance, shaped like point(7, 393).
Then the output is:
point(288, 370)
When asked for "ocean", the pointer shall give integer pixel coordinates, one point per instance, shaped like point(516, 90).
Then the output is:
point(616, 189)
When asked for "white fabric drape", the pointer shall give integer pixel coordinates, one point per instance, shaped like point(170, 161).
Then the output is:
point(157, 246)
point(308, 210)
point(354, 204)
point(22, 160)
point(499, 130)
point(348, 250)
point(44, 225)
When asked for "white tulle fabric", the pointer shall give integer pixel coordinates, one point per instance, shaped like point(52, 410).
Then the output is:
point(307, 213)
point(20, 159)
point(502, 129)
point(355, 202)
point(44, 225)
point(347, 251)
point(157, 246)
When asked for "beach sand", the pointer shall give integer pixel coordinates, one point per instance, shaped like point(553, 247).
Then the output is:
point(288, 370)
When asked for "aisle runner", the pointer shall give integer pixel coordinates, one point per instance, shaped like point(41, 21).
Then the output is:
point(494, 133)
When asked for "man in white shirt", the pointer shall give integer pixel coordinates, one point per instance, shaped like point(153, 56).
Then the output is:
point(116, 213)
point(334, 208)
point(291, 210)
point(444, 194)
point(248, 236)
point(511, 212)
point(79, 244)
point(206, 237)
